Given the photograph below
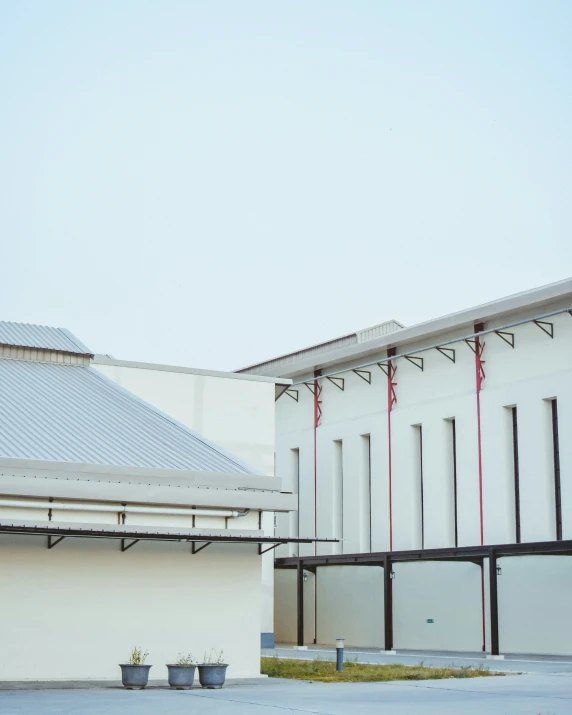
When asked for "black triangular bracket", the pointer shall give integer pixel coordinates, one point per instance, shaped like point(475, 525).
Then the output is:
point(364, 374)
point(384, 368)
point(270, 548)
point(414, 360)
point(507, 337)
point(336, 381)
point(548, 328)
point(195, 550)
point(125, 546)
point(449, 353)
point(52, 541)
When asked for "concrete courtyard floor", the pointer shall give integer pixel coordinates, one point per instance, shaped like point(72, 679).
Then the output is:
point(544, 688)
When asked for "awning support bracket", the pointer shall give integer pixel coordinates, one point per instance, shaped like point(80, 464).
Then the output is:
point(124, 547)
point(364, 374)
point(293, 394)
point(270, 548)
point(546, 327)
point(449, 353)
point(507, 337)
point(52, 541)
point(195, 550)
point(383, 367)
point(336, 381)
point(415, 360)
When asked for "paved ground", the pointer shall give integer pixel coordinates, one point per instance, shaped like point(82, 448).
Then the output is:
point(544, 689)
point(512, 695)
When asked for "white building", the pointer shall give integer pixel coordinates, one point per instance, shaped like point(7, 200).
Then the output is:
point(465, 444)
point(234, 411)
point(120, 525)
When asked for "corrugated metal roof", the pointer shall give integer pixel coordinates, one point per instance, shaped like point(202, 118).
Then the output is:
point(71, 413)
point(42, 337)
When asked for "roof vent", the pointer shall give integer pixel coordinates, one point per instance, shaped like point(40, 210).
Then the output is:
point(378, 331)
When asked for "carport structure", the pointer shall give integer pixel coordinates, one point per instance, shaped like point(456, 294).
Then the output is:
point(478, 555)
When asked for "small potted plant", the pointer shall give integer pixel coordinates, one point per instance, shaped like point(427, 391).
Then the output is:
point(134, 673)
point(212, 671)
point(182, 673)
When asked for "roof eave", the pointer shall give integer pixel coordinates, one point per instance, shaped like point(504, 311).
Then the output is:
point(151, 476)
point(498, 309)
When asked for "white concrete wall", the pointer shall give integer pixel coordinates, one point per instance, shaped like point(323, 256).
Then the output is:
point(350, 605)
point(536, 370)
point(236, 414)
point(75, 611)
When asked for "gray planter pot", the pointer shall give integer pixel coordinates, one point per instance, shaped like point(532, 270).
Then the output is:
point(181, 677)
point(134, 676)
point(212, 676)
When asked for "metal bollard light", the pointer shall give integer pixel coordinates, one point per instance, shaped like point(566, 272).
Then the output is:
point(339, 655)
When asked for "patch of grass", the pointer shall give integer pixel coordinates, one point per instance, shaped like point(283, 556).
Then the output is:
point(353, 672)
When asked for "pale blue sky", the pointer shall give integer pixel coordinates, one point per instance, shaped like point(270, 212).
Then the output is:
point(213, 183)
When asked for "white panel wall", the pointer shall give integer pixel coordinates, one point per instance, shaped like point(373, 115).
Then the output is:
point(350, 605)
point(529, 375)
point(237, 414)
point(76, 611)
point(542, 621)
point(449, 594)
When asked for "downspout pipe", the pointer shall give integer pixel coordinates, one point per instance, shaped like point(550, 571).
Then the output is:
point(121, 508)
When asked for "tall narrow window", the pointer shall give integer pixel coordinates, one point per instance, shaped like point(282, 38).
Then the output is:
point(556, 452)
point(295, 516)
point(338, 494)
point(454, 456)
point(418, 457)
point(365, 494)
point(516, 473)
point(421, 485)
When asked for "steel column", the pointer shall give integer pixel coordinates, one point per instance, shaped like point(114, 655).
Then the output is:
point(300, 602)
point(387, 603)
point(391, 400)
point(494, 606)
point(479, 377)
point(317, 418)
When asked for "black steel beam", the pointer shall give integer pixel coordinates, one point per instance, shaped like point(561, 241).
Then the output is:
point(387, 603)
point(462, 553)
point(494, 604)
point(300, 603)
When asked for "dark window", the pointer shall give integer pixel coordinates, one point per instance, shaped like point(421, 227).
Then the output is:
point(516, 473)
point(556, 451)
point(421, 486)
point(455, 515)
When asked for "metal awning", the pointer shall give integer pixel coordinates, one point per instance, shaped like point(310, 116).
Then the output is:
point(386, 559)
point(134, 534)
point(460, 553)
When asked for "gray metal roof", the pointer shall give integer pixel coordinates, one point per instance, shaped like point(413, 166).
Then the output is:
point(42, 337)
point(72, 413)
